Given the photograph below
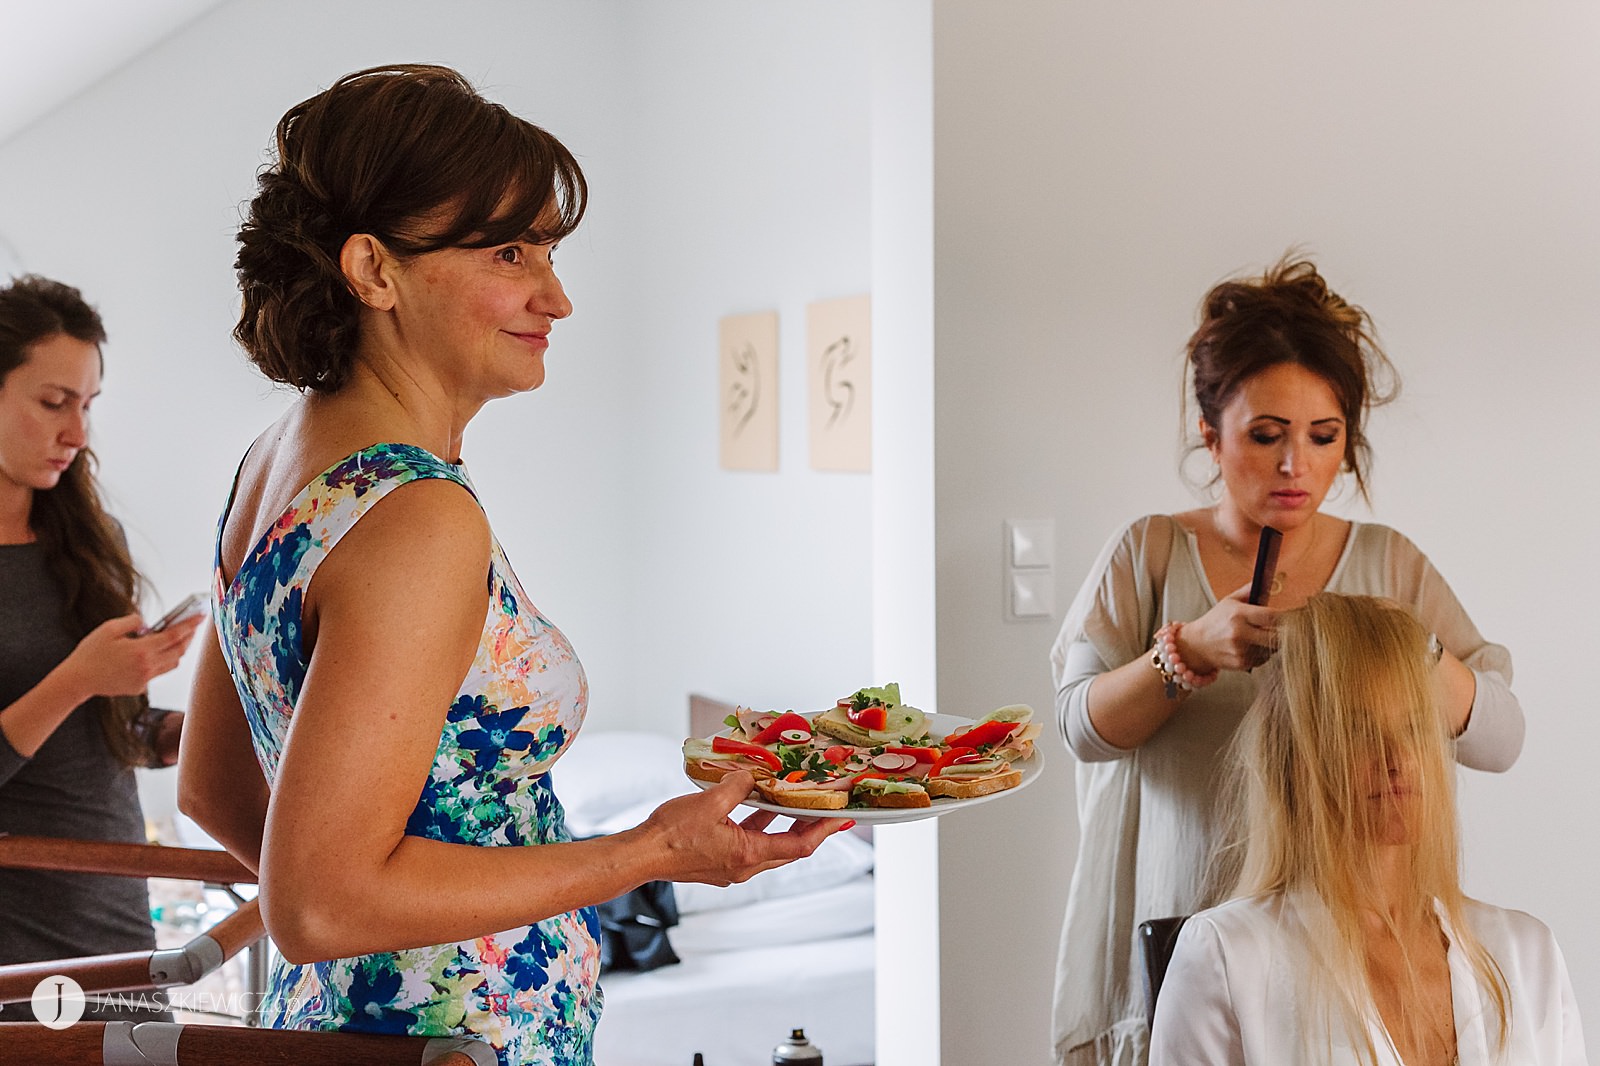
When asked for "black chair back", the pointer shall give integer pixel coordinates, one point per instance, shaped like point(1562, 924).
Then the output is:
point(1156, 940)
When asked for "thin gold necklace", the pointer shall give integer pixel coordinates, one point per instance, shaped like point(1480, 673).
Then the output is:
point(1281, 572)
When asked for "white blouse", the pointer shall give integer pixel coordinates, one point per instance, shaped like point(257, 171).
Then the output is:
point(1232, 994)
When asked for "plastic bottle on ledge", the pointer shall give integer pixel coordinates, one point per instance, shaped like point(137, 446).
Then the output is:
point(797, 1051)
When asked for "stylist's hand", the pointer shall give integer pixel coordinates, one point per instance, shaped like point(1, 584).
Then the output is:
point(1233, 635)
point(703, 844)
point(111, 661)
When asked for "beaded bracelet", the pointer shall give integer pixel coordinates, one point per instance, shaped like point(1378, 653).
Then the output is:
point(1175, 675)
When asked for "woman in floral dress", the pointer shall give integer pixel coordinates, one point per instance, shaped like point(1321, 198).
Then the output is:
point(374, 725)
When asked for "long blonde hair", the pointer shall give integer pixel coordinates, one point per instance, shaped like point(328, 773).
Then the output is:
point(1351, 692)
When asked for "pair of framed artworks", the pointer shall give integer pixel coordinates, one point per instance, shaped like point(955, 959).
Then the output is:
point(839, 377)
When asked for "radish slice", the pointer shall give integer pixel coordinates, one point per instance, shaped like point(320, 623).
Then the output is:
point(892, 762)
point(794, 736)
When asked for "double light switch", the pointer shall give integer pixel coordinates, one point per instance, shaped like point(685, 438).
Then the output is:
point(1030, 576)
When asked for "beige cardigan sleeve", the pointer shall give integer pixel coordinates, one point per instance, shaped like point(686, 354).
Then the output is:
point(1110, 623)
point(1495, 726)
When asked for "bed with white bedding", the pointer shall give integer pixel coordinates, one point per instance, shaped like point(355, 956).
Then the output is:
point(789, 948)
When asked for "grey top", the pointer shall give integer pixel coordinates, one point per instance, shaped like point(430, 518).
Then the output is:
point(72, 787)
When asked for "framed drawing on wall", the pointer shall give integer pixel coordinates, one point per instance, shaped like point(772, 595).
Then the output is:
point(839, 365)
point(747, 391)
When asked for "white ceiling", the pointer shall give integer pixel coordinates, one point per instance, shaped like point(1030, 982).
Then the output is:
point(51, 50)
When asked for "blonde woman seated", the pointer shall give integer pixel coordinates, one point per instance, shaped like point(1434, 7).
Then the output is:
point(1350, 940)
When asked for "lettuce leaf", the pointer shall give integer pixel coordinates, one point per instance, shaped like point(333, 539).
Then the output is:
point(888, 695)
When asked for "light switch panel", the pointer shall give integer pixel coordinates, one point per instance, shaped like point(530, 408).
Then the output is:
point(1030, 543)
point(1033, 594)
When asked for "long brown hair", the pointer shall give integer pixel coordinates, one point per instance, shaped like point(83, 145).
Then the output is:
point(83, 546)
point(410, 154)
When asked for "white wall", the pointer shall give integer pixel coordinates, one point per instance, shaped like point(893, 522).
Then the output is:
point(903, 509)
point(1097, 167)
point(746, 190)
point(728, 174)
point(133, 192)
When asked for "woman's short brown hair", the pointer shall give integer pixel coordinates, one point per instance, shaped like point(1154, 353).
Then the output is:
point(385, 151)
point(1289, 315)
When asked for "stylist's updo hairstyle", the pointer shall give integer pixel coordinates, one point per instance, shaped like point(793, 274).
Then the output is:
point(409, 154)
point(1289, 315)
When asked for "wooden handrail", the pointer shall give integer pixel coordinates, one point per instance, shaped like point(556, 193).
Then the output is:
point(78, 1045)
point(209, 1045)
point(127, 971)
point(82, 1044)
point(126, 860)
point(238, 930)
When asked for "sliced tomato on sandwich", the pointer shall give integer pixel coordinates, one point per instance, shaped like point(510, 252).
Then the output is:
point(874, 716)
point(786, 721)
point(754, 752)
point(953, 755)
point(982, 734)
point(879, 775)
point(919, 754)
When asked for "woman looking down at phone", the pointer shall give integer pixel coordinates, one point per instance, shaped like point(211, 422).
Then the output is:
point(1348, 939)
point(375, 727)
point(1152, 665)
point(74, 720)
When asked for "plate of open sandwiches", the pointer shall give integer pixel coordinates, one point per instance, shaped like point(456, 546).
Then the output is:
point(871, 757)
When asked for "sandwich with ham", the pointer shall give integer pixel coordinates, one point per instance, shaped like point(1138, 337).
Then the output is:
point(966, 773)
point(712, 760)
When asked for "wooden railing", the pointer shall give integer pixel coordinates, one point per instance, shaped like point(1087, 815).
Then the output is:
point(128, 860)
point(136, 971)
point(173, 1043)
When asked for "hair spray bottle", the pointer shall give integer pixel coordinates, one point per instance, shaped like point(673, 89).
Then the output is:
point(797, 1051)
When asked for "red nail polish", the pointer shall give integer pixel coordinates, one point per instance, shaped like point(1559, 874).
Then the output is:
point(851, 824)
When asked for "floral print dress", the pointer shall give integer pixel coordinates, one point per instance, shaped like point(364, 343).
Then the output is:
point(531, 992)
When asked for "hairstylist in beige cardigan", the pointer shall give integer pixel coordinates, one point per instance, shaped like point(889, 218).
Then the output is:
point(1152, 663)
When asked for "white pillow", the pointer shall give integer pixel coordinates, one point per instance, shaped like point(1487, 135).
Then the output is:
point(840, 858)
point(840, 911)
point(604, 774)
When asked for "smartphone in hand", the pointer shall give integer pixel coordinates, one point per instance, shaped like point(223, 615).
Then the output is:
point(191, 606)
point(1266, 565)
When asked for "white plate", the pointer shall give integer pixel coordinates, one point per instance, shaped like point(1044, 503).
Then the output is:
point(939, 725)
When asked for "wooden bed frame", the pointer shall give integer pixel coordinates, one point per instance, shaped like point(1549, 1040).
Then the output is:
point(706, 714)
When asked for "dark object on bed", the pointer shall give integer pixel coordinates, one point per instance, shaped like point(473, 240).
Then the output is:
point(633, 928)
